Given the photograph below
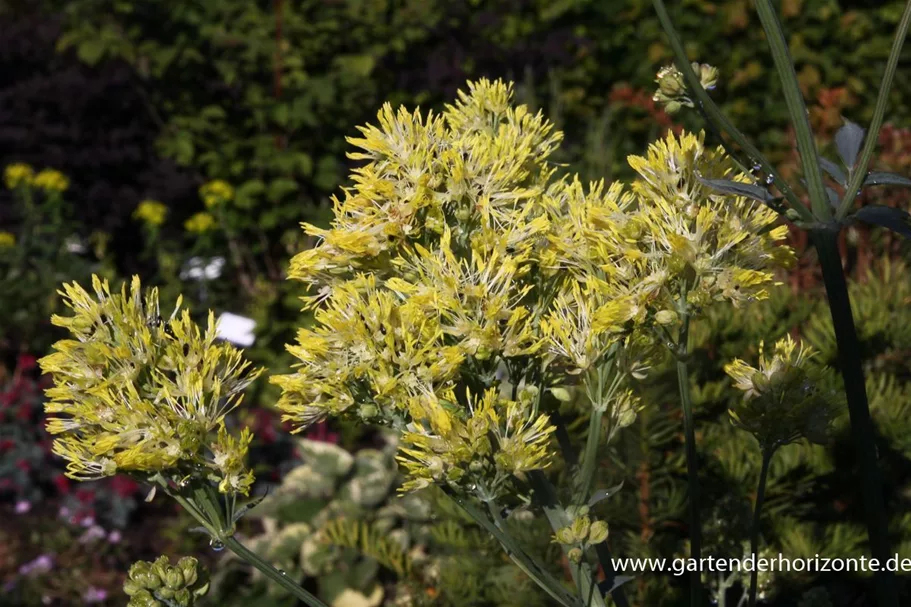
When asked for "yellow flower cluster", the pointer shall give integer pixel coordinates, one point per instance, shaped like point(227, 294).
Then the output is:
point(7, 240)
point(151, 212)
point(216, 193)
point(139, 394)
point(51, 181)
point(200, 223)
point(18, 175)
point(458, 255)
point(786, 398)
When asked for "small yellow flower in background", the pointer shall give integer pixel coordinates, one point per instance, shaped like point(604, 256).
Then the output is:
point(151, 212)
point(18, 174)
point(50, 180)
point(786, 398)
point(139, 394)
point(216, 193)
point(199, 223)
point(7, 240)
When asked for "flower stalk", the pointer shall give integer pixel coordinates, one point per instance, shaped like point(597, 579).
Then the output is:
point(757, 514)
point(862, 429)
point(692, 462)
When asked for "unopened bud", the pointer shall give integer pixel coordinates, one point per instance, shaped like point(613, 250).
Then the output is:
point(575, 555)
point(597, 533)
point(666, 317)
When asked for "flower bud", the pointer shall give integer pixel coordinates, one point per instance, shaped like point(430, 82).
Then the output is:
point(174, 579)
point(708, 75)
point(670, 82)
point(598, 532)
point(561, 394)
point(666, 317)
point(575, 555)
point(565, 536)
point(580, 528)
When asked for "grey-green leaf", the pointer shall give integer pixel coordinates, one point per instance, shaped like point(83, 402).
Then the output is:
point(834, 171)
point(739, 189)
point(897, 220)
point(876, 178)
point(834, 198)
point(848, 140)
point(604, 494)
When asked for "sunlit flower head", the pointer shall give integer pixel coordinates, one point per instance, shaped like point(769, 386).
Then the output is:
point(7, 240)
point(200, 223)
point(151, 212)
point(216, 193)
point(51, 181)
point(137, 393)
point(18, 175)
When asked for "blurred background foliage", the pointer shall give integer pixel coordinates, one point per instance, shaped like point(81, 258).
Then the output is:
point(149, 101)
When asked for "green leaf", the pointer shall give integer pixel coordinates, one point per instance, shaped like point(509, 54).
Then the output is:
point(603, 494)
point(834, 171)
point(280, 187)
point(848, 140)
point(879, 178)
point(247, 193)
point(739, 189)
point(897, 220)
point(91, 50)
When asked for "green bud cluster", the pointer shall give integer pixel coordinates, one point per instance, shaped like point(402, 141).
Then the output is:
point(581, 533)
point(159, 583)
point(672, 86)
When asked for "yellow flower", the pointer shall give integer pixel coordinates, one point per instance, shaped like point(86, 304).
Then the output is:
point(200, 223)
point(50, 180)
point(18, 174)
point(151, 212)
point(7, 240)
point(786, 398)
point(137, 393)
point(216, 193)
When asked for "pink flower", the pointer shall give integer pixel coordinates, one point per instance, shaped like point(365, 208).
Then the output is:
point(114, 537)
point(95, 595)
point(23, 506)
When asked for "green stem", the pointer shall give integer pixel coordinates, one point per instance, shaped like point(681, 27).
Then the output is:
point(692, 465)
point(279, 577)
point(797, 108)
point(210, 506)
point(589, 591)
point(590, 456)
point(757, 513)
point(602, 550)
point(522, 560)
point(862, 429)
point(694, 87)
point(859, 173)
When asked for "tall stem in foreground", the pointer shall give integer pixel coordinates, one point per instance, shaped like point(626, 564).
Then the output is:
point(279, 577)
point(862, 430)
point(209, 514)
point(692, 466)
point(757, 514)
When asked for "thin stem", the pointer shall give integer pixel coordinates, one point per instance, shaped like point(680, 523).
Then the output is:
point(279, 577)
point(721, 122)
point(586, 476)
point(692, 465)
point(859, 173)
point(522, 560)
point(797, 108)
point(589, 591)
point(757, 513)
point(862, 429)
point(602, 550)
